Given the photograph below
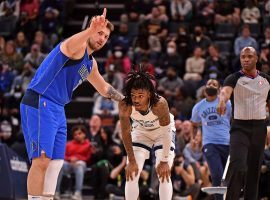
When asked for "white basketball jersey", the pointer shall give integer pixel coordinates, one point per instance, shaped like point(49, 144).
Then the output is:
point(146, 122)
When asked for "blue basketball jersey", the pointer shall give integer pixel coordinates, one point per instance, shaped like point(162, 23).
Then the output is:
point(58, 76)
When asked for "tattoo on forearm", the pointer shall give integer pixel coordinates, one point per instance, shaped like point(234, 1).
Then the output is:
point(114, 94)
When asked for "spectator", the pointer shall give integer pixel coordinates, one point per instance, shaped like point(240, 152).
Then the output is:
point(181, 10)
point(10, 9)
point(193, 153)
point(171, 59)
point(120, 60)
point(78, 153)
point(251, 13)
point(198, 39)
point(35, 56)
point(22, 44)
point(205, 13)
point(169, 84)
point(183, 179)
point(216, 66)
point(244, 40)
point(195, 66)
point(31, 7)
point(227, 12)
point(13, 58)
point(113, 77)
point(6, 78)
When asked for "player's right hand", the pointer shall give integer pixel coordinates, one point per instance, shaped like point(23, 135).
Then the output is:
point(131, 168)
point(99, 22)
point(221, 108)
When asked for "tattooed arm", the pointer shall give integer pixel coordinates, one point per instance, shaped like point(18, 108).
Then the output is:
point(124, 115)
point(104, 88)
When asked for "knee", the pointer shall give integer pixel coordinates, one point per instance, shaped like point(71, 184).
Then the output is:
point(41, 163)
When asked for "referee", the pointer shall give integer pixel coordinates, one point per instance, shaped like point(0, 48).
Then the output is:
point(250, 89)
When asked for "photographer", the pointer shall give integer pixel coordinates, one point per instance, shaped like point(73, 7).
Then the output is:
point(183, 178)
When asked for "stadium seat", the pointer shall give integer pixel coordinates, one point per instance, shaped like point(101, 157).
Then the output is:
point(225, 31)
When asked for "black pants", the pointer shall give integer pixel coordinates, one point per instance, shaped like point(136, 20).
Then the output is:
point(247, 143)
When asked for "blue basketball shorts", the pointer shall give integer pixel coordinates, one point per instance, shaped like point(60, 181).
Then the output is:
point(43, 125)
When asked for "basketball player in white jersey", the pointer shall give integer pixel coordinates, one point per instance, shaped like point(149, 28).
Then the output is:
point(152, 127)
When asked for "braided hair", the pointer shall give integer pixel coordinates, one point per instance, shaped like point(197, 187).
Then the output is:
point(139, 79)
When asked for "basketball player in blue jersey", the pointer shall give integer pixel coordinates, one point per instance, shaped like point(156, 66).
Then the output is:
point(152, 127)
point(42, 107)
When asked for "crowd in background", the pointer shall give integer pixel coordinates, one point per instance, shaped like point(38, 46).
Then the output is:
point(181, 42)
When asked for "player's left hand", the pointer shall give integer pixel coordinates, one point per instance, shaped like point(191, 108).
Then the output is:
point(163, 171)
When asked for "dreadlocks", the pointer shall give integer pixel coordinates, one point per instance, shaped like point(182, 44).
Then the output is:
point(139, 79)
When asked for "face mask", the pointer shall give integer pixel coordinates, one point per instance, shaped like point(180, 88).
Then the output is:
point(17, 95)
point(170, 50)
point(210, 91)
point(118, 54)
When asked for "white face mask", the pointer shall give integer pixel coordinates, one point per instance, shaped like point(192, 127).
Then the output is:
point(170, 50)
point(17, 95)
point(118, 54)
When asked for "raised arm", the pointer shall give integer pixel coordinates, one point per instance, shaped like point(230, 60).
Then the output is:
point(74, 47)
point(104, 88)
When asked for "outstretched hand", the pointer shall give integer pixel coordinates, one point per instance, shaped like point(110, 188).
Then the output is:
point(99, 21)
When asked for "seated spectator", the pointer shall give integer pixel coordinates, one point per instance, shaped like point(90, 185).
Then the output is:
point(31, 7)
point(193, 153)
point(227, 12)
point(13, 58)
point(6, 78)
point(171, 59)
point(106, 109)
point(35, 56)
point(181, 10)
point(41, 39)
point(155, 24)
point(244, 40)
point(251, 13)
point(205, 12)
point(78, 153)
point(199, 39)
point(183, 179)
point(169, 84)
point(120, 60)
point(133, 11)
point(122, 38)
point(266, 38)
point(26, 25)
point(22, 80)
point(195, 66)
point(113, 77)
point(22, 44)
point(10, 9)
point(216, 65)
point(50, 24)
point(2, 44)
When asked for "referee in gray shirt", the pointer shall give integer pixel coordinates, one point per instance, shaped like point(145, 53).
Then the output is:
point(249, 90)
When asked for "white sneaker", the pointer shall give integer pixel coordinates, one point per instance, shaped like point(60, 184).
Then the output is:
point(77, 196)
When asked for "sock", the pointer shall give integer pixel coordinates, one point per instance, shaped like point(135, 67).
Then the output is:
point(34, 197)
point(165, 190)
